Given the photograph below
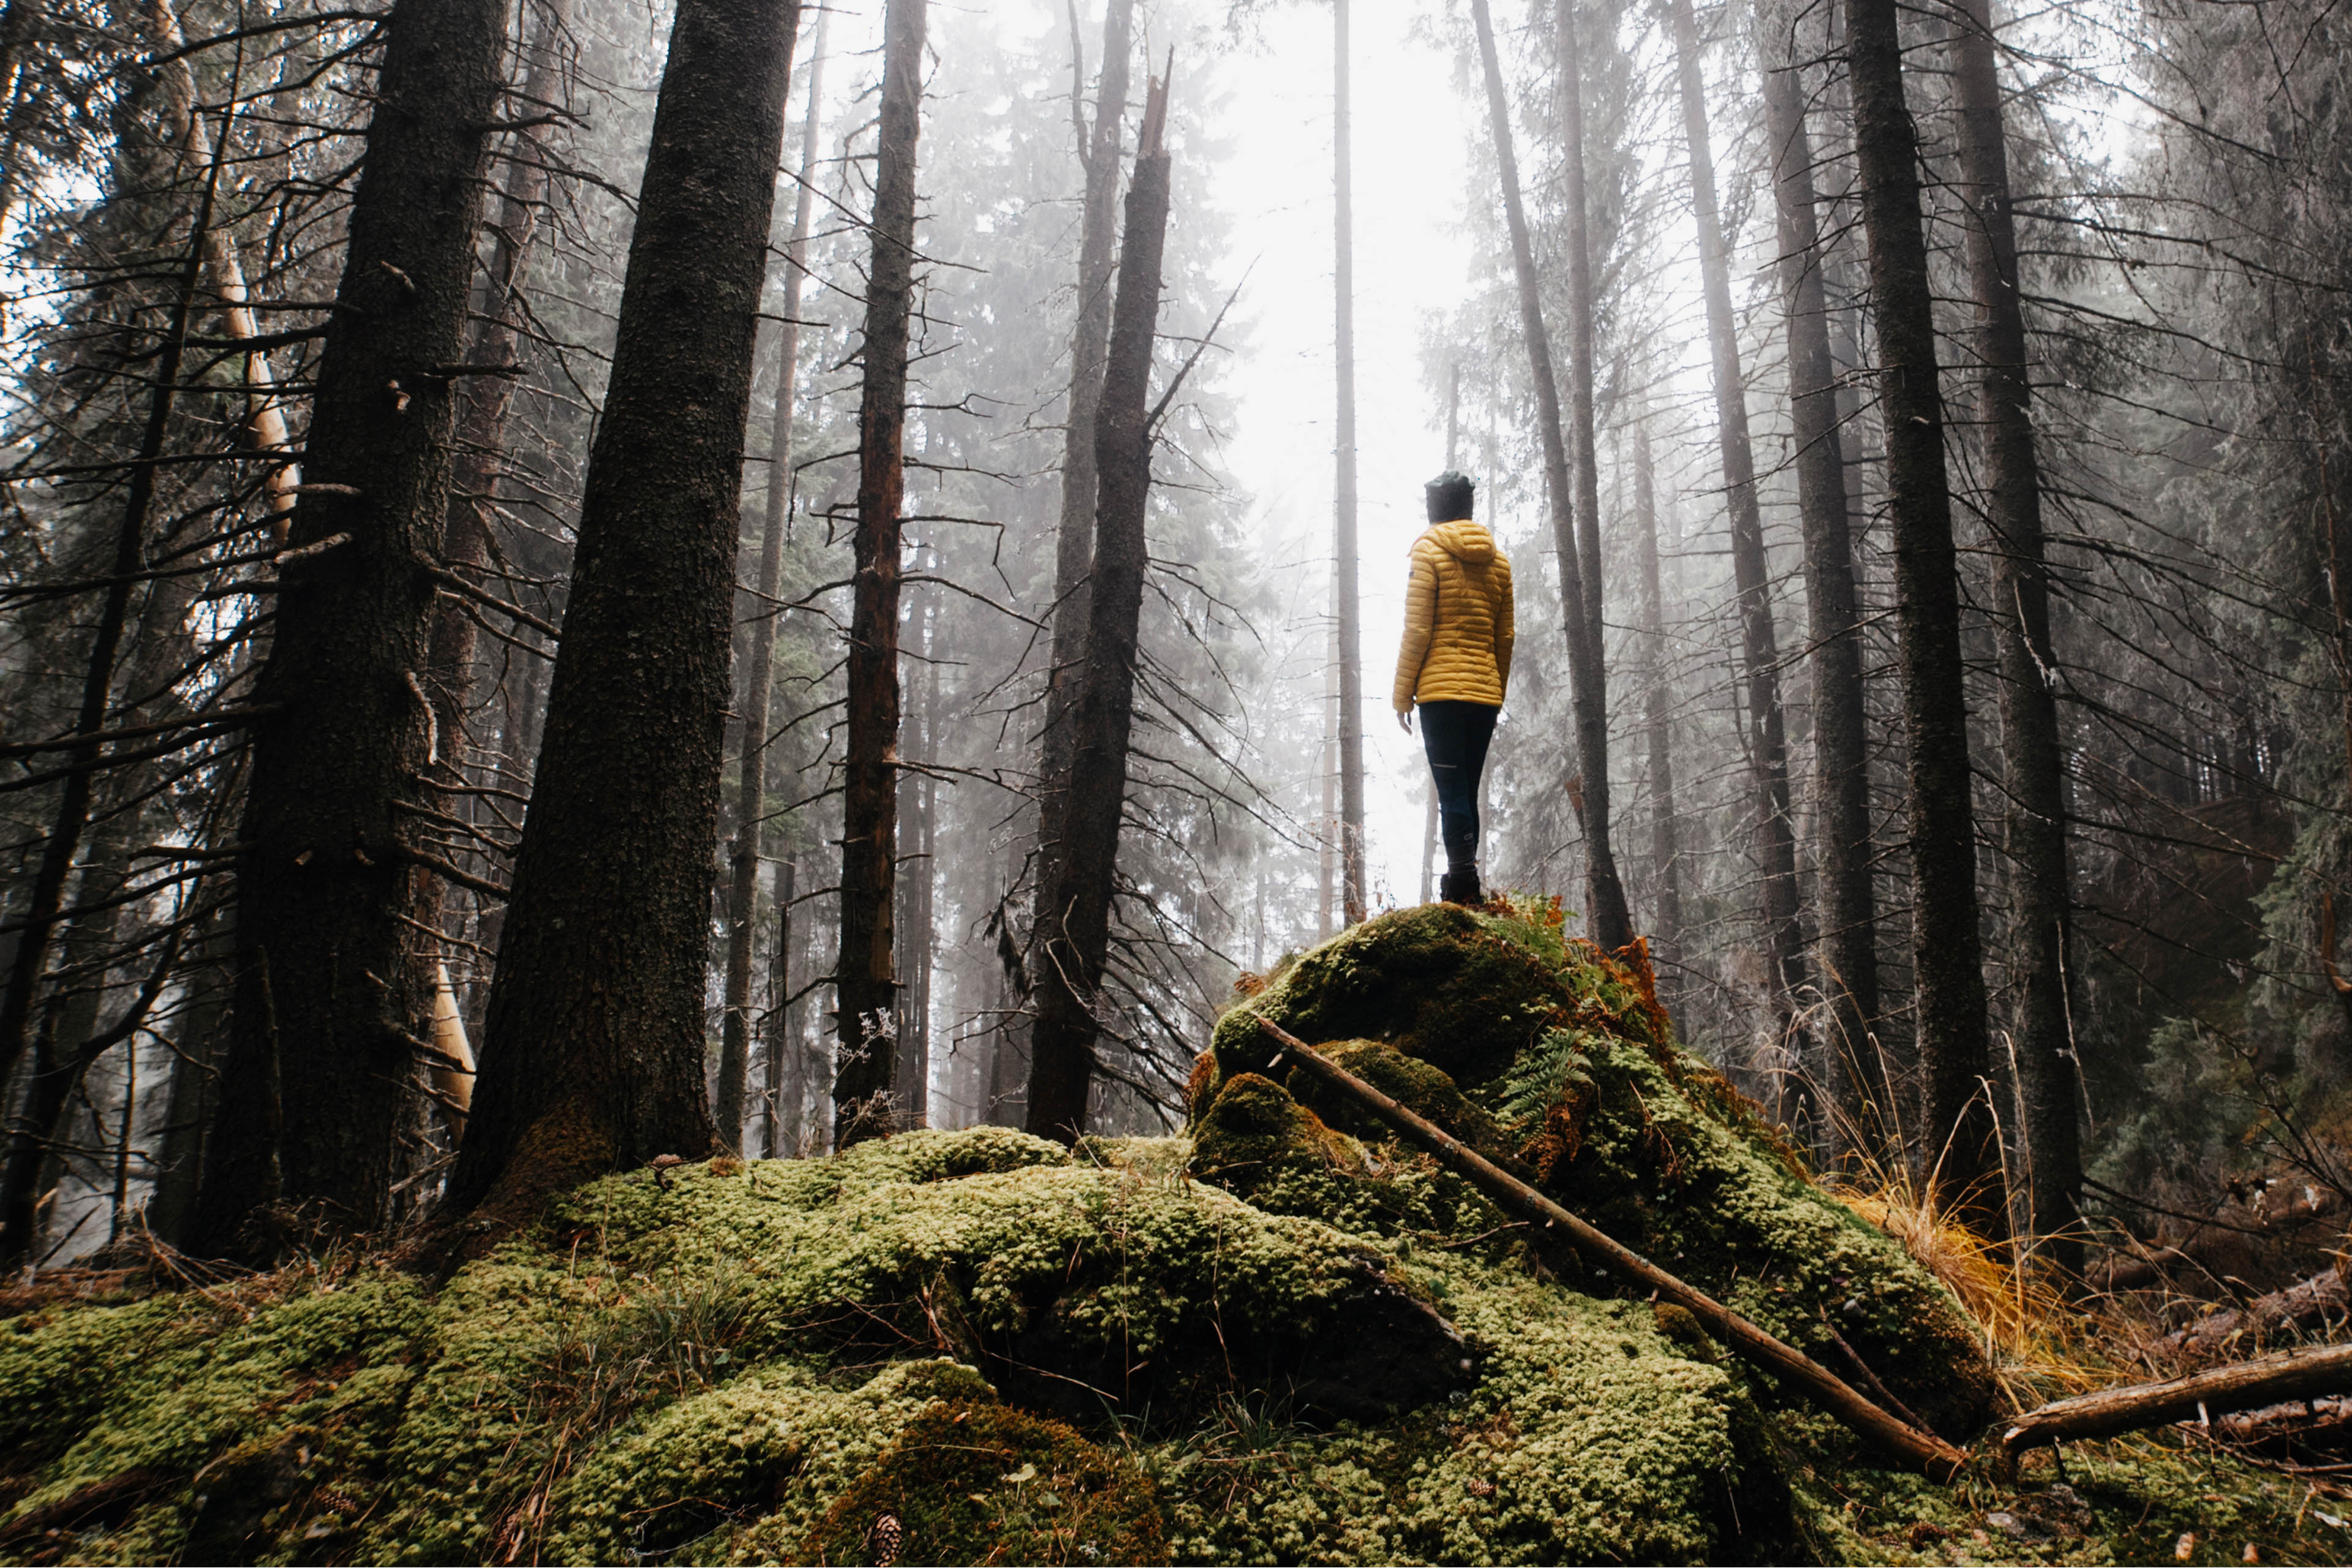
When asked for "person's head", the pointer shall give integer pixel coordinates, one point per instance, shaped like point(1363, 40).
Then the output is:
point(1449, 495)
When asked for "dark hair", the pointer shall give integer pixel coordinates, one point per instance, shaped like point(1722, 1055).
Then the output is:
point(1449, 496)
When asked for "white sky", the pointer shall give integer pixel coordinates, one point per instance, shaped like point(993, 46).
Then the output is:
point(1410, 148)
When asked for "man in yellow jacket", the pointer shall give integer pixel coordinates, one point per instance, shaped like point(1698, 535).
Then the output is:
point(1456, 664)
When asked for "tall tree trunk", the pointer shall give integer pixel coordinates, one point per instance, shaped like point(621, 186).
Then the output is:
point(1853, 1076)
point(1760, 646)
point(1960, 1145)
point(2032, 753)
point(321, 1066)
point(864, 985)
point(593, 1055)
point(1607, 917)
point(1077, 940)
point(1348, 609)
point(1658, 713)
point(759, 678)
point(1074, 539)
point(1581, 312)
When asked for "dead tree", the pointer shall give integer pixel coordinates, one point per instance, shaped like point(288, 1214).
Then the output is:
point(1853, 1077)
point(322, 1061)
point(1610, 921)
point(592, 1050)
point(760, 664)
point(1958, 1136)
point(1760, 645)
point(2033, 757)
point(1067, 976)
point(1074, 539)
point(865, 983)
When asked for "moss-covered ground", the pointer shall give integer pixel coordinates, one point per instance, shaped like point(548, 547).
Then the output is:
point(1278, 1338)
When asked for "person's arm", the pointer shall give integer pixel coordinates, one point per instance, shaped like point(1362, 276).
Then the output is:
point(1420, 623)
point(1506, 625)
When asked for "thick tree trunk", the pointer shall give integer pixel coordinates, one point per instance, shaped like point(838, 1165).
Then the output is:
point(865, 986)
point(1068, 978)
point(2035, 762)
point(1959, 1134)
point(1657, 716)
point(1347, 608)
point(758, 679)
point(592, 1057)
point(188, 1103)
point(322, 1062)
point(1759, 644)
point(1859, 1112)
point(1098, 156)
point(1607, 917)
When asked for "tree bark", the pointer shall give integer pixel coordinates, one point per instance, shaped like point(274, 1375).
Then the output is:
point(1759, 644)
point(1077, 938)
point(1584, 459)
point(1853, 1077)
point(2033, 756)
point(759, 678)
point(1958, 1134)
point(1607, 917)
point(865, 986)
point(1074, 539)
point(321, 1064)
point(593, 1055)
point(1346, 554)
point(914, 933)
point(1658, 713)
point(188, 1103)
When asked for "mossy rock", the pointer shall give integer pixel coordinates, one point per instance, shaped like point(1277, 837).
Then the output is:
point(1557, 1063)
point(1439, 983)
point(982, 1484)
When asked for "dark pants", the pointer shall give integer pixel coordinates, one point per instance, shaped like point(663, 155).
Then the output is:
point(1456, 734)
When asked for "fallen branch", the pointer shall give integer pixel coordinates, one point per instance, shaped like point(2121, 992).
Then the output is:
point(2305, 1304)
point(1938, 1458)
point(2243, 1385)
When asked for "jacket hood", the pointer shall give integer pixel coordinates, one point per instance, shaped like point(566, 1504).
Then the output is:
point(1466, 541)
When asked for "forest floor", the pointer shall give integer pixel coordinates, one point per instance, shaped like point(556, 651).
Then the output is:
point(1271, 1338)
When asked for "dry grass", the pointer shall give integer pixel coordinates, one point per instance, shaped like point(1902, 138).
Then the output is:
point(2040, 1343)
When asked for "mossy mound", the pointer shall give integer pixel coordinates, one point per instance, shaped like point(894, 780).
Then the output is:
point(757, 1364)
point(1543, 1052)
point(981, 1484)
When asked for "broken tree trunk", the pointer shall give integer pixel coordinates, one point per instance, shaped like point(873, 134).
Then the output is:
point(2242, 1385)
point(1098, 154)
point(1610, 921)
point(592, 1057)
point(1930, 1453)
point(1076, 943)
point(865, 982)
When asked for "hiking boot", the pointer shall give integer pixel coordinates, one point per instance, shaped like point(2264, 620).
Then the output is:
point(1461, 887)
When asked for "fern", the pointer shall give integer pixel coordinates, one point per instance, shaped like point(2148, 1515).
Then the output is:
point(1552, 1067)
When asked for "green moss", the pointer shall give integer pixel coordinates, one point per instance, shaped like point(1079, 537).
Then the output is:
point(981, 1484)
point(1462, 1014)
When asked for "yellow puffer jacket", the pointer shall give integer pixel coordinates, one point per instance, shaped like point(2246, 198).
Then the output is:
point(1458, 619)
